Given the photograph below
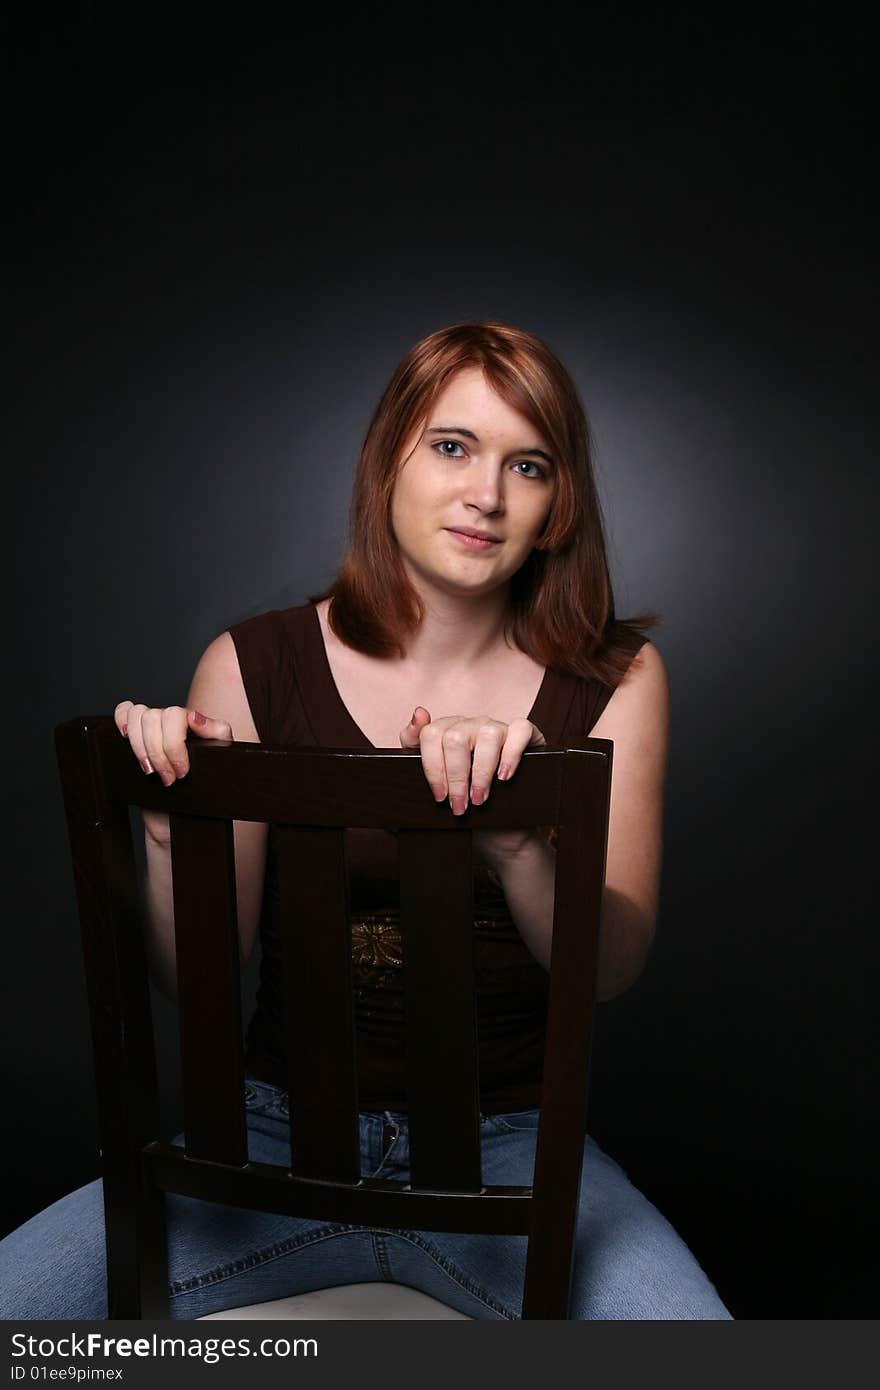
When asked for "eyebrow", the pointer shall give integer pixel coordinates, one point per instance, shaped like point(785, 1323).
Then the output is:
point(469, 434)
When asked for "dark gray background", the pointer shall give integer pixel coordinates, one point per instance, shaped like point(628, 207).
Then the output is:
point(222, 244)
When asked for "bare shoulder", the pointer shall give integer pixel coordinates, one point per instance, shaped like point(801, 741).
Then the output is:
point(322, 608)
point(217, 689)
point(220, 660)
point(647, 672)
point(641, 700)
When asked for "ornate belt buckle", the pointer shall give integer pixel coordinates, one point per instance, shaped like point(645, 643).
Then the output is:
point(376, 941)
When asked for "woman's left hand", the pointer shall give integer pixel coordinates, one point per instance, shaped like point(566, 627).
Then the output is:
point(447, 745)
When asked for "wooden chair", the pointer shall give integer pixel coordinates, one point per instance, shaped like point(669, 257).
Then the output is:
point(311, 796)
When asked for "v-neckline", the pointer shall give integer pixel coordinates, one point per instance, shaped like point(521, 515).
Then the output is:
point(537, 715)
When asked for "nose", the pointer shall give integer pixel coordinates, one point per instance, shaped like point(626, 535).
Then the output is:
point(483, 485)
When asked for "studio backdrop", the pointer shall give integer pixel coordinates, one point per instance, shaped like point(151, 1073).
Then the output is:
point(216, 268)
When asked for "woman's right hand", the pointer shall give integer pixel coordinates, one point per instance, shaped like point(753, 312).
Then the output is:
point(158, 741)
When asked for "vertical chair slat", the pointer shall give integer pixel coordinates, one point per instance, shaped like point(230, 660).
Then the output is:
point(580, 877)
point(209, 988)
point(117, 981)
point(437, 927)
point(319, 1021)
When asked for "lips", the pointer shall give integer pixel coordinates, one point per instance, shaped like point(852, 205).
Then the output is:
point(473, 542)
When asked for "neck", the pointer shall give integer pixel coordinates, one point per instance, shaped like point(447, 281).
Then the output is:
point(458, 633)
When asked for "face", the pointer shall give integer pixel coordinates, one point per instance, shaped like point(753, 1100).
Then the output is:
point(476, 464)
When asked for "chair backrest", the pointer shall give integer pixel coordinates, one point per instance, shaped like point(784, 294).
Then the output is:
point(311, 797)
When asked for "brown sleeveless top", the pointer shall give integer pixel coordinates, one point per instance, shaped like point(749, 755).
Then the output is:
point(294, 701)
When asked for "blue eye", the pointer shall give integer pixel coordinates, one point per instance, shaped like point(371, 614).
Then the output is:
point(530, 463)
point(541, 473)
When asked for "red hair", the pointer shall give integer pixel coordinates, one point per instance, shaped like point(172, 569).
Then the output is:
point(561, 610)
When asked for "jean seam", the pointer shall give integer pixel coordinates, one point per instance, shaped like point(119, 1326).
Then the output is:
point(281, 1248)
point(503, 1124)
point(386, 1157)
point(259, 1257)
point(380, 1250)
point(457, 1275)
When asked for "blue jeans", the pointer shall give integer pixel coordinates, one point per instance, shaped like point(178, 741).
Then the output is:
point(629, 1263)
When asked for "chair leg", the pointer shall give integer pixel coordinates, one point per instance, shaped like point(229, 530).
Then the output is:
point(137, 1253)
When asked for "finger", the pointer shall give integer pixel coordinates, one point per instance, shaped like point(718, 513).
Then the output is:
point(457, 759)
point(409, 736)
point(206, 727)
point(154, 742)
point(433, 765)
point(175, 727)
point(120, 716)
point(136, 736)
point(520, 734)
point(490, 740)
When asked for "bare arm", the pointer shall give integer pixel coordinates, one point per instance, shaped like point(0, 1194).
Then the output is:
point(636, 718)
point(217, 690)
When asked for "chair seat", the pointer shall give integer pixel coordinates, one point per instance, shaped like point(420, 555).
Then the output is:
point(349, 1302)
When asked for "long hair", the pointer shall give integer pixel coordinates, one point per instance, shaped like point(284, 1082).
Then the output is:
point(561, 609)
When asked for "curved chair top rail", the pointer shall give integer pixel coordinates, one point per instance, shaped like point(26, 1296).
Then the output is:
point(309, 786)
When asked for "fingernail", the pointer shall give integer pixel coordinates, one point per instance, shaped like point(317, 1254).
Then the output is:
point(439, 792)
point(459, 805)
point(503, 772)
point(125, 731)
point(199, 718)
point(167, 778)
point(477, 797)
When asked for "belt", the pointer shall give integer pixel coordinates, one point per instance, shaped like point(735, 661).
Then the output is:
point(376, 939)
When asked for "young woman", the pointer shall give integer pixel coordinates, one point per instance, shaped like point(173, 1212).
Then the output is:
point(472, 619)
